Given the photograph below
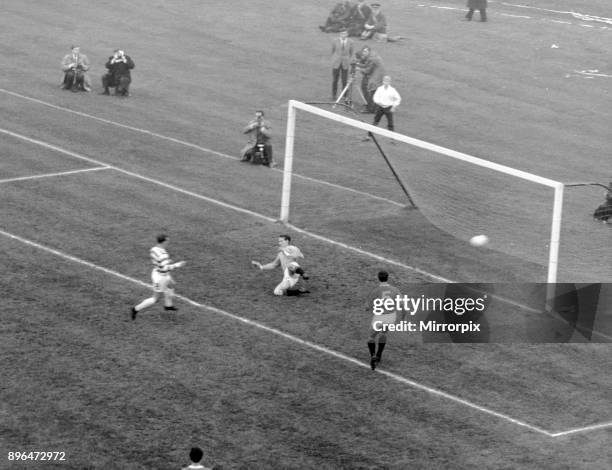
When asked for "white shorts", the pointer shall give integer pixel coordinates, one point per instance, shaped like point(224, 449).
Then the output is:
point(288, 282)
point(161, 282)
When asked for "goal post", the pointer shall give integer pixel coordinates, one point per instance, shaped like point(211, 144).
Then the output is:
point(557, 187)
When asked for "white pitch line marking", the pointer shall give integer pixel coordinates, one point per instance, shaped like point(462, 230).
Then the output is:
point(580, 16)
point(515, 16)
point(49, 175)
point(197, 147)
point(593, 427)
point(445, 8)
point(592, 74)
point(290, 337)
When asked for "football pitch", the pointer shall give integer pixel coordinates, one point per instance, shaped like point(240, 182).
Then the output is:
point(88, 181)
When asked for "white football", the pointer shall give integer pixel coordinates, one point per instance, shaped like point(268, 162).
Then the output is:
point(479, 240)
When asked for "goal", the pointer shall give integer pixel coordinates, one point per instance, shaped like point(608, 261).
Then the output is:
point(464, 195)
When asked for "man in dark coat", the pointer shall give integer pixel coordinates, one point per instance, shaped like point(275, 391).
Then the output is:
point(359, 15)
point(376, 23)
point(118, 75)
point(338, 18)
point(480, 5)
point(372, 71)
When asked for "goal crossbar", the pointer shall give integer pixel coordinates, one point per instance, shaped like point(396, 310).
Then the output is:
point(557, 186)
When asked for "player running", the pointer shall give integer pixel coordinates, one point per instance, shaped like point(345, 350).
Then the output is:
point(160, 276)
point(287, 259)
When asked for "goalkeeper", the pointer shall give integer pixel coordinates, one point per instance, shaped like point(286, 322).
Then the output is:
point(287, 259)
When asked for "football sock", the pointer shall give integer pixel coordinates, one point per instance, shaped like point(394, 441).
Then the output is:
point(371, 346)
point(145, 304)
point(381, 347)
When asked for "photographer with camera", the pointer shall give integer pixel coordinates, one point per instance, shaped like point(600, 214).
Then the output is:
point(75, 65)
point(372, 72)
point(118, 75)
point(260, 151)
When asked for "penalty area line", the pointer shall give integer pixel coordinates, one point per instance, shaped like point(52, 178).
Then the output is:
point(593, 427)
point(49, 175)
point(290, 337)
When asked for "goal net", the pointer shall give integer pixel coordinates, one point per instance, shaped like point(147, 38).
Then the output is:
point(462, 195)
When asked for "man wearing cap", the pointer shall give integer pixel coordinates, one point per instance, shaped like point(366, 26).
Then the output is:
point(375, 24)
point(342, 51)
point(75, 65)
point(118, 75)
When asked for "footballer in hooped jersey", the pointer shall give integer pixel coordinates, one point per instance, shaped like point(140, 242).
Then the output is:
point(160, 277)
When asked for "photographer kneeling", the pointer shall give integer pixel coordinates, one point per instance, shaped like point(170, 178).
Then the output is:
point(75, 66)
point(118, 75)
point(260, 151)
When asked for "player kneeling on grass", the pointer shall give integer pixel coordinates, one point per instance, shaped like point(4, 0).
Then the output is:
point(160, 276)
point(287, 259)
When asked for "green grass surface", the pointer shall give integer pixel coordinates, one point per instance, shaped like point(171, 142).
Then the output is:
point(78, 376)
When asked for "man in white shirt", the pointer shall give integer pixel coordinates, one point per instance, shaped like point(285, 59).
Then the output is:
point(387, 99)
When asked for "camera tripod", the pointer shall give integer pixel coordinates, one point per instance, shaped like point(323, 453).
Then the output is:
point(347, 93)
